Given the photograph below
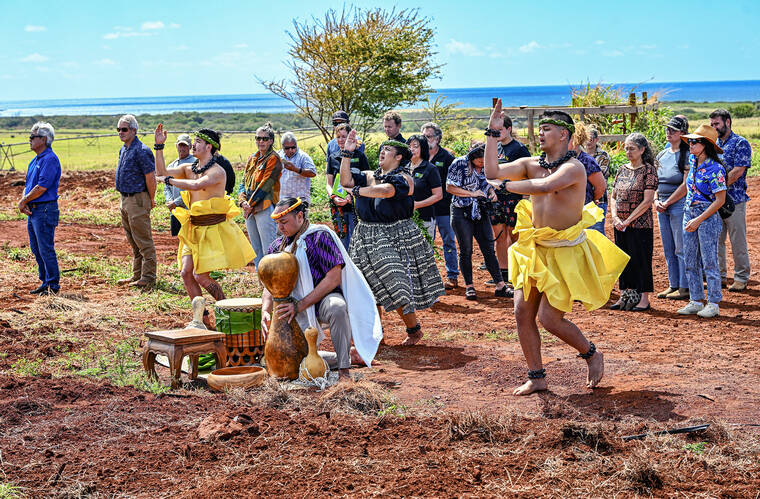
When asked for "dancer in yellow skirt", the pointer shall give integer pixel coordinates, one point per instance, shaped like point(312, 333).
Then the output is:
point(209, 238)
point(555, 260)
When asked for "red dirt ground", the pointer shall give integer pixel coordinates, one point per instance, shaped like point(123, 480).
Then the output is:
point(73, 436)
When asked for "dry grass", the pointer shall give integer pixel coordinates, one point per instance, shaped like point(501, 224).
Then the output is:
point(272, 394)
point(487, 427)
point(363, 397)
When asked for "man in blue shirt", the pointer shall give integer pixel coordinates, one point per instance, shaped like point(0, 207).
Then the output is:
point(338, 117)
point(40, 204)
point(136, 181)
point(737, 156)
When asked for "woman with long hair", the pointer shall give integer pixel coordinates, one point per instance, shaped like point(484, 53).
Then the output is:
point(260, 191)
point(705, 194)
point(427, 182)
point(672, 164)
point(631, 208)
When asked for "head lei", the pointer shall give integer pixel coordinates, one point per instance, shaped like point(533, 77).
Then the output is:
point(550, 121)
point(275, 216)
point(395, 143)
point(208, 139)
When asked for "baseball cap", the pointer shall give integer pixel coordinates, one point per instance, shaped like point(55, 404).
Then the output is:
point(340, 115)
point(184, 139)
point(678, 124)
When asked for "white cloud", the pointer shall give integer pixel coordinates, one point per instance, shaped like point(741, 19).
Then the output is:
point(529, 47)
point(612, 53)
point(174, 25)
point(35, 57)
point(122, 34)
point(464, 48)
point(148, 25)
point(105, 62)
point(599, 42)
point(34, 29)
point(240, 46)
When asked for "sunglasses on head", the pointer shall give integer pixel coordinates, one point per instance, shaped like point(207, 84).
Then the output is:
point(262, 139)
point(122, 129)
point(695, 141)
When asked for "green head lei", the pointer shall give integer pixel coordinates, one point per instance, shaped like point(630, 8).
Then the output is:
point(394, 143)
point(549, 121)
point(208, 139)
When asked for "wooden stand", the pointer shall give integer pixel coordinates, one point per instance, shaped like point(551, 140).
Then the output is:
point(177, 343)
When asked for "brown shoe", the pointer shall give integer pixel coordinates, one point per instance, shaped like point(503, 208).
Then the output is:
point(128, 280)
point(738, 286)
point(143, 283)
point(678, 294)
point(451, 284)
point(668, 291)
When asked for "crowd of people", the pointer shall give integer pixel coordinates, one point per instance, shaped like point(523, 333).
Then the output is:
point(696, 185)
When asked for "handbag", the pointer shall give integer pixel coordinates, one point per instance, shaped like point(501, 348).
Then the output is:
point(728, 207)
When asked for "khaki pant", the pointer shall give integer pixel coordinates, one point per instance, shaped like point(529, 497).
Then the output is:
point(735, 227)
point(135, 218)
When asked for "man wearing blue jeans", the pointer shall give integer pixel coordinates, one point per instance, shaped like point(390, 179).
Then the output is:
point(40, 204)
point(442, 159)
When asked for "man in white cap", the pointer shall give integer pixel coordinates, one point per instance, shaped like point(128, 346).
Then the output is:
point(172, 193)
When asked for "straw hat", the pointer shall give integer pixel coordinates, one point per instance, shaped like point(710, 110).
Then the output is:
point(704, 132)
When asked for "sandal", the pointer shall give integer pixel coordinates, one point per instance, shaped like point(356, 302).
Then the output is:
point(470, 294)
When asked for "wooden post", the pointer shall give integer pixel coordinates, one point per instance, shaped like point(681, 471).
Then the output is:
point(531, 134)
point(632, 102)
point(644, 98)
point(583, 115)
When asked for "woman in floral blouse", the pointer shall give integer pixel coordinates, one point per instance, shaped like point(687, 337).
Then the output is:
point(631, 208)
point(705, 194)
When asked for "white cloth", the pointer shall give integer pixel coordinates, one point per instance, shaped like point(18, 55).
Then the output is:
point(366, 328)
point(561, 243)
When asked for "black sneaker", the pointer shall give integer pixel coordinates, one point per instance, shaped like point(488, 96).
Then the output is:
point(39, 290)
point(504, 292)
point(49, 291)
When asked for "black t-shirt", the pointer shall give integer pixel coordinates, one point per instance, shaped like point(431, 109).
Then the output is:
point(512, 151)
point(397, 138)
point(229, 185)
point(442, 160)
point(426, 178)
point(384, 210)
point(359, 163)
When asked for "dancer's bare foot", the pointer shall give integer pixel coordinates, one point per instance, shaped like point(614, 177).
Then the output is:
point(595, 369)
point(530, 386)
point(344, 376)
point(412, 339)
point(357, 360)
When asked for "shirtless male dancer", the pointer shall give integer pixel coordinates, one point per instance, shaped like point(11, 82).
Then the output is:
point(209, 239)
point(554, 253)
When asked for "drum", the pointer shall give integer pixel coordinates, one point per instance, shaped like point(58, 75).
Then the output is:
point(240, 320)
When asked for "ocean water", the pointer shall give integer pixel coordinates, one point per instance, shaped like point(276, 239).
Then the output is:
point(549, 95)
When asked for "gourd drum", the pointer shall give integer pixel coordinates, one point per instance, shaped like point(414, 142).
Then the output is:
point(240, 321)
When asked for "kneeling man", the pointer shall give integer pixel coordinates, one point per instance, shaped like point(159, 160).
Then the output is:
point(209, 238)
point(330, 289)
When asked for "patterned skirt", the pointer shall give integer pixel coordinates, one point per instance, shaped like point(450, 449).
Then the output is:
point(398, 265)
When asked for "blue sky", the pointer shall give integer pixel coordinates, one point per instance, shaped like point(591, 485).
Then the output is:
point(80, 49)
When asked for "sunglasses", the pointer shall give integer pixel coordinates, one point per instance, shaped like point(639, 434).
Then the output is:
point(262, 139)
point(288, 148)
point(695, 141)
point(122, 129)
point(32, 137)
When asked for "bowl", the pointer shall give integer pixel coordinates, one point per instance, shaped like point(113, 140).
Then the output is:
point(240, 376)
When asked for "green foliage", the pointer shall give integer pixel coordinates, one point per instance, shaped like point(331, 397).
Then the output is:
point(361, 61)
point(743, 110)
point(594, 96)
point(10, 491)
point(454, 123)
point(396, 410)
point(697, 448)
point(26, 367)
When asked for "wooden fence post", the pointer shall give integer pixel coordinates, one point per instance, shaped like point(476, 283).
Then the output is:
point(632, 102)
point(531, 134)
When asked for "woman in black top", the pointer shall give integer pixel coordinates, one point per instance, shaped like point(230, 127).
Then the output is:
point(341, 202)
point(427, 182)
point(387, 246)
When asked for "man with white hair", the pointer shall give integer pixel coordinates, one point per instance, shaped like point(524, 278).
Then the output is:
point(172, 194)
point(40, 205)
point(136, 181)
point(298, 170)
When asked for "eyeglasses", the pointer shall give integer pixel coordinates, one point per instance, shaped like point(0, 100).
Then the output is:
point(123, 129)
point(429, 137)
point(695, 141)
point(262, 139)
point(32, 137)
point(288, 148)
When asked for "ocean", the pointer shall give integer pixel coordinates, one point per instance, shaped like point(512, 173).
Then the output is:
point(549, 95)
